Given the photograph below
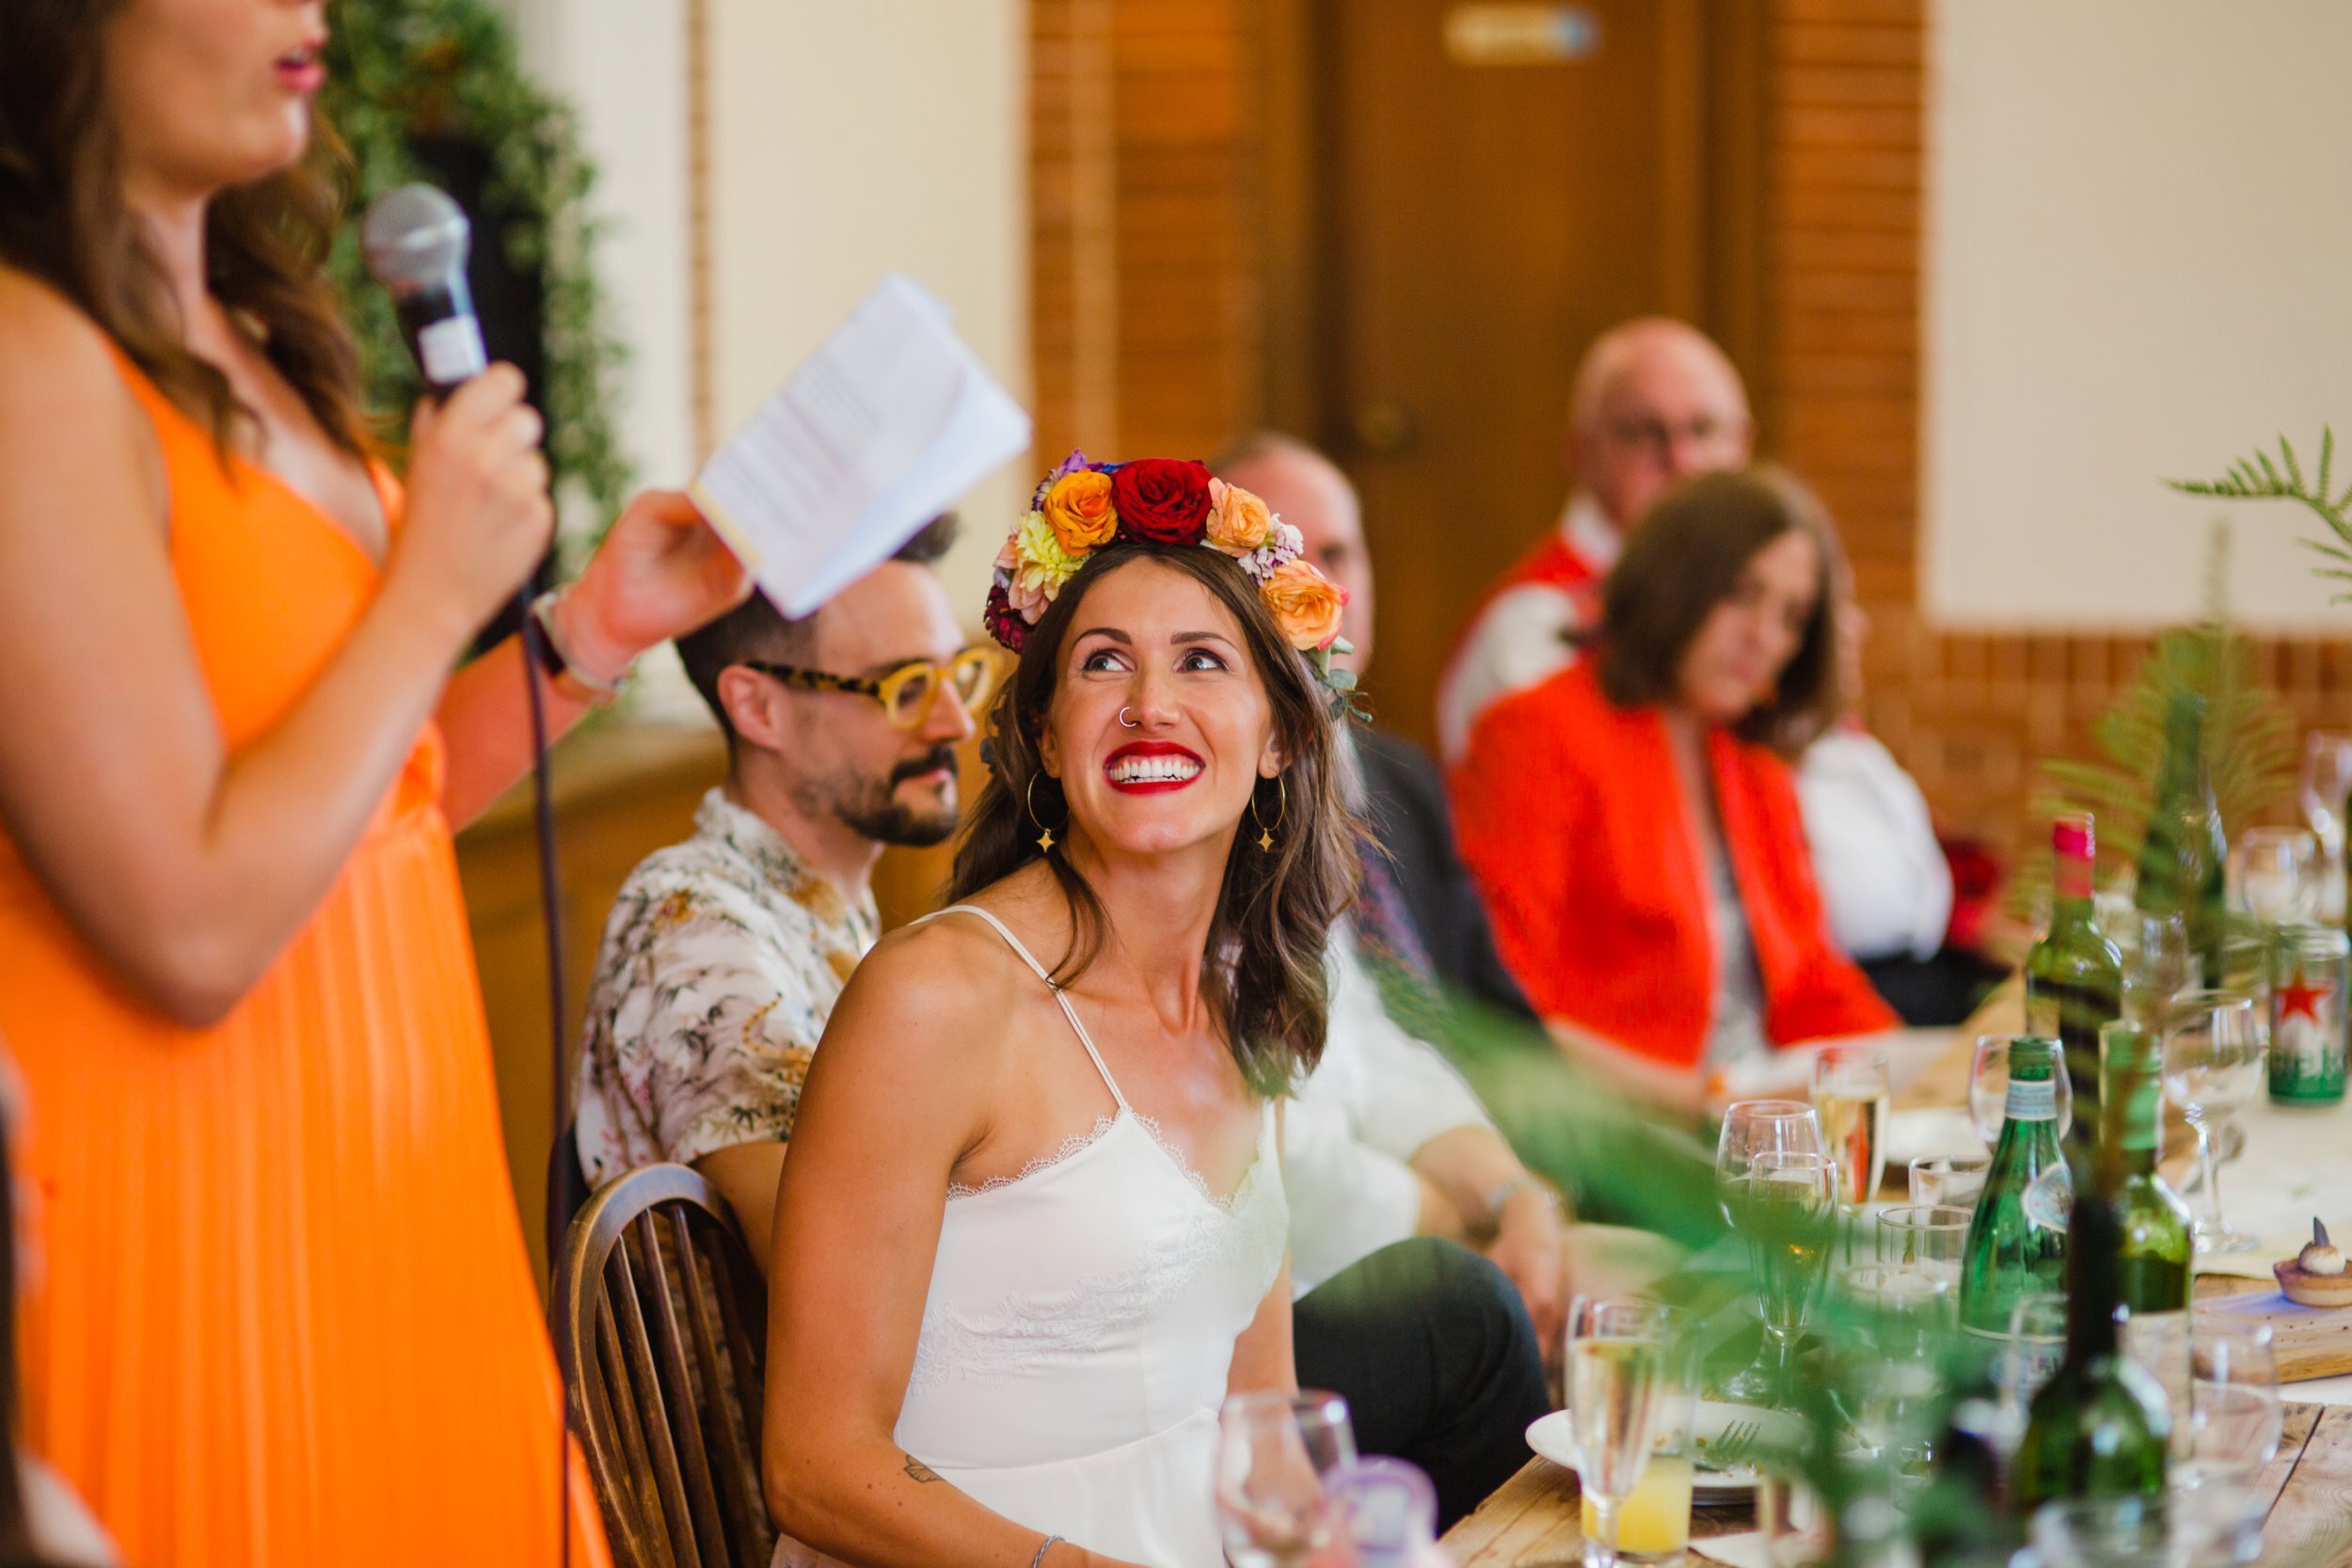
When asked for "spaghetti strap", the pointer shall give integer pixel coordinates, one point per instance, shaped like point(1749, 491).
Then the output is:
point(1042, 973)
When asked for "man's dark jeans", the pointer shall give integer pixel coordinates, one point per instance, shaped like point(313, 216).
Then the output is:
point(1433, 1350)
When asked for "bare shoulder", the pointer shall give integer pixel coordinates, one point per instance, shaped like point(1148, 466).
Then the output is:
point(60, 393)
point(930, 997)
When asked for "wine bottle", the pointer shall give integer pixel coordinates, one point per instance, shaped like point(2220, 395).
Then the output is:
point(2099, 1427)
point(2016, 1244)
point(2153, 1266)
point(2185, 854)
point(2074, 975)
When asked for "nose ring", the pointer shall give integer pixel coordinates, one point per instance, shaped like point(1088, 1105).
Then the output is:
point(1127, 724)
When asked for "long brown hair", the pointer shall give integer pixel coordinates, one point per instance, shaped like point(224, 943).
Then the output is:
point(1683, 560)
point(1263, 974)
point(63, 220)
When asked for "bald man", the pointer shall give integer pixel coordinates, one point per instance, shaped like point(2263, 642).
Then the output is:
point(1654, 402)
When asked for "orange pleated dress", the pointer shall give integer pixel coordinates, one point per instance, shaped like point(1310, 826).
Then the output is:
point(283, 1316)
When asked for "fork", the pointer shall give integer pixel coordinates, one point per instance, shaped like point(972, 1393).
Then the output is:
point(1730, 1448)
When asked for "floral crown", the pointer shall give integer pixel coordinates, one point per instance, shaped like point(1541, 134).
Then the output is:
point(1083, 507)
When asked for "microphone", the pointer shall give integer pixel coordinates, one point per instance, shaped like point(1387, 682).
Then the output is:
point(415, 241)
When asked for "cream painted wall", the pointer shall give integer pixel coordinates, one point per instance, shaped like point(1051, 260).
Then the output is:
point(850, 140)
point(2139, 263)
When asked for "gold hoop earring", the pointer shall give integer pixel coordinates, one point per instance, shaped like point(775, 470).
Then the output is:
point(1044, 833)
point(1282, 810)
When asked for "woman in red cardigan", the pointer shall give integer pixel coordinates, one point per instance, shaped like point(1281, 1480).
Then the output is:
point(1632, 819)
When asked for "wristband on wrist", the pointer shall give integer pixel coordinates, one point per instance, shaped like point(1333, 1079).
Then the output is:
point(555, 661)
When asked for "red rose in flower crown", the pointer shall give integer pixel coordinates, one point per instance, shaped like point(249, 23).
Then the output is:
point(1164, 500)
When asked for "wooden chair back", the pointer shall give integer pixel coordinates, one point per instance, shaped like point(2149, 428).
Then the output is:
point(660, 1321)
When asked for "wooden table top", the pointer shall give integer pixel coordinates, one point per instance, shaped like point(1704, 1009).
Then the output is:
point(2306, 1494)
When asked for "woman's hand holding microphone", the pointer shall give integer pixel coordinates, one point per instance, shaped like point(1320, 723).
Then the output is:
point(479, 517)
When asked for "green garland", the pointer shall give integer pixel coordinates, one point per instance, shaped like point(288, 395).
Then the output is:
point(400, 67)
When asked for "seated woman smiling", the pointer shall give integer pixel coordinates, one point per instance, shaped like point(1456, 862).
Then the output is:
point(1032, 1229)
point(1632, 819)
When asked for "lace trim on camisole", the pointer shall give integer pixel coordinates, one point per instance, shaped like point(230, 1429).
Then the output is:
point(1079, 1143)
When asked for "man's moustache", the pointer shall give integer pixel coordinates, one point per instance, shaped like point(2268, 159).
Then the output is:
point(944, 757)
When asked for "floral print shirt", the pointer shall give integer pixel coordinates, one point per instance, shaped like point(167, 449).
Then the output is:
point(721, 963)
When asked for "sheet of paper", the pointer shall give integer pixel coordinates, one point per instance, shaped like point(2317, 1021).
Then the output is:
point(877, 433)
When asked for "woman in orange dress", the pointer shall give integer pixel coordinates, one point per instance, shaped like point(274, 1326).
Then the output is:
point(284, 1315)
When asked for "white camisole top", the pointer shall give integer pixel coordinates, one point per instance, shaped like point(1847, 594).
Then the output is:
point(1080, 1326)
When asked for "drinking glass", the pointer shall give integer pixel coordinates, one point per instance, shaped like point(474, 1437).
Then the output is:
point(1753, 1126)
point(1388, 1509)
point(2277, 875)
point(1850, 1088)
point(1788, 1212)
point(2110, 1532)
point(2326, 780)
point(2157, 966)
point(2214, 1062)
point(1905, 1305)
point(1988, 1089)
point(1619, 1351)
point(1950, 1179)
point(1929, 1239)
point(2233, 1423)
point(1272, 1451)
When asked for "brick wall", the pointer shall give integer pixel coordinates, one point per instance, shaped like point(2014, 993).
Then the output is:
point(1150, 326)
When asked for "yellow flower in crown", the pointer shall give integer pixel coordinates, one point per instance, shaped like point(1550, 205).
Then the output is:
point(1078, 507)
point(1040, 562)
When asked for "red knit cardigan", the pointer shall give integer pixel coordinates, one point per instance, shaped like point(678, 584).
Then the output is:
point(1571, 819)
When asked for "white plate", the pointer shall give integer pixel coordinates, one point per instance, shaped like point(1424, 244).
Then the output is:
point(1555, 1440)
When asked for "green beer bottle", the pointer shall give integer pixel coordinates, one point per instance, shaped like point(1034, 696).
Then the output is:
point(2074, 975)
point(2186, 852)
point(2099, 1427)
point(2155, 1253)
point(2016, 1244)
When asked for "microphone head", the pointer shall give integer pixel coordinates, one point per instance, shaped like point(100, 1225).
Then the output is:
point(415, 236)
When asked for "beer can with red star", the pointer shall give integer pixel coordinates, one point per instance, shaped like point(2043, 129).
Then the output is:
point(2308, 980)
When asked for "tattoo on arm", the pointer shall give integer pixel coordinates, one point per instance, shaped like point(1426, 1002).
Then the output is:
point(920, 1472)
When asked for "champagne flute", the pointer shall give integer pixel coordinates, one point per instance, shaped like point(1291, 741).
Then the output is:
point(1788, 1211)
point(2277, 875)
point(2326, 780)
point(2157, 966)
point(1619, 1352)
point(1852, 1085)
point(1270, 1465)
point(2214, 1062)
point(1753, 1126)
point(1988, 1089)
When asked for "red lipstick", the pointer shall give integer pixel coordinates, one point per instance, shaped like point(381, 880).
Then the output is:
point(1151, 768)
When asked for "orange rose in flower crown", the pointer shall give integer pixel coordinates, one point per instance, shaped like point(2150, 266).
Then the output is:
point(1171, 503)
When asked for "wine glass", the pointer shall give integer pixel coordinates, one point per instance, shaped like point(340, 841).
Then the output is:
point(1753, 1126)
point(1787, 1212)
point(1273, 1450)
point(1988, 1089)
point(2277, 875)
point(2326, 780)
point(1619, 1355)
point(1389, 1507)
point(1850, 1088)
point(2214, 1062)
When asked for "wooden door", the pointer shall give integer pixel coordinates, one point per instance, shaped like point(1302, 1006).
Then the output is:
point(1494, 185)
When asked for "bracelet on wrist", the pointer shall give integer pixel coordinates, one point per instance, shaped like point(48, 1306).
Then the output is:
point(556, 662)
point(1043, 1547)
point(1507, 1190)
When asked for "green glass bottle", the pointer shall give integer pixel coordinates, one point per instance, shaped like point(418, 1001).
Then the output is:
point(2185, 854)
point(2099, 1427)
point(2154, 1257)
point(2017, 1244)
point(2075, 975)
